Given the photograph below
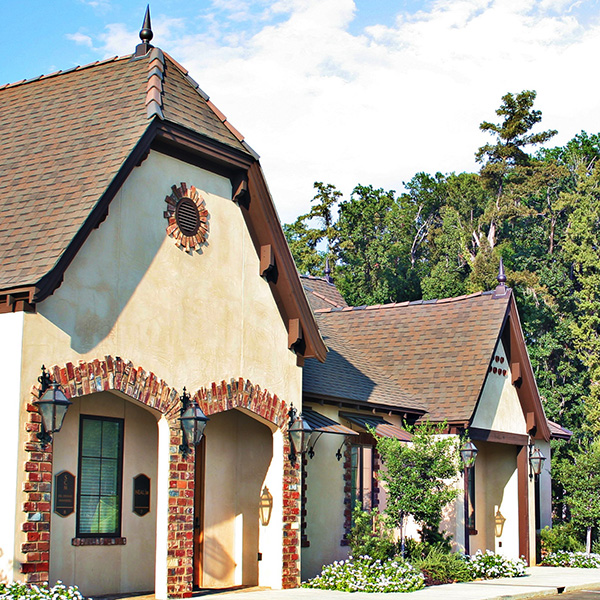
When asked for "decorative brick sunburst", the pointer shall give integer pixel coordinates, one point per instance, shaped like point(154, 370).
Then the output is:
point(187, 216)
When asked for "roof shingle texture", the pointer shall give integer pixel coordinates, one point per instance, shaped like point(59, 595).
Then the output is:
point(63, 139)
point(321, 293)
point(437, 352)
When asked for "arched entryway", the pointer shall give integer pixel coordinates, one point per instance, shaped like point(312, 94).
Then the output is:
point(231, 472)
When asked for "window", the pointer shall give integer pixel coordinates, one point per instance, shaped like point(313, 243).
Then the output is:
point(361, 470)
point(100, 477)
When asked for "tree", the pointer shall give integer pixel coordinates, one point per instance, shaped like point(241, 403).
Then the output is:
point(581, 481)
point(417, 476)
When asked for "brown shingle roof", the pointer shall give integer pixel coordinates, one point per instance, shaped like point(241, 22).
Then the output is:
point(64, 138)
point(436, 351)
point(321, 293)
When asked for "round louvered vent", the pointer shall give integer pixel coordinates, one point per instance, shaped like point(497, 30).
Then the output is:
point(187, 217)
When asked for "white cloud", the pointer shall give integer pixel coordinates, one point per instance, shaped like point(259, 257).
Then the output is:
point(319, 103)
point(80, 38)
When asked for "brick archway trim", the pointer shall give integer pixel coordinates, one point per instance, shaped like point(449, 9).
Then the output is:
point(116, 374)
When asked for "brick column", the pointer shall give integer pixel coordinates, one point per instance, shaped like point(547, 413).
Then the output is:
point(291, 518)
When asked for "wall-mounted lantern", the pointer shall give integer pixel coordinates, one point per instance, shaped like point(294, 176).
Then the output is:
point(52, 406)
point(299, 432)
point(265, 506)
point(536, 461)
point(499, 521)
point(468, 454)
point(193, 422)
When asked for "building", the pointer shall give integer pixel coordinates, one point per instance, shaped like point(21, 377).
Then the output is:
point(459, 361)
point(143, 265)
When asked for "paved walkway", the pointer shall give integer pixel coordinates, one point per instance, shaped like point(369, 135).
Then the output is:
point(539, 582)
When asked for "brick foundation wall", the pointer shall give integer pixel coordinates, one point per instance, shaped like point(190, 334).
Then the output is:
point(110, 374)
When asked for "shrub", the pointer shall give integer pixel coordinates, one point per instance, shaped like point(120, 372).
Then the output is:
point(365, 574)
point(559, 537)
point(370, 536)
point(572, 559)
point(441, 567)
point(492, 566)
point(21, 591)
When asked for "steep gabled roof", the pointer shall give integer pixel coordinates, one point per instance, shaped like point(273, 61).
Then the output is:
point(437, 352)
point(70, 139)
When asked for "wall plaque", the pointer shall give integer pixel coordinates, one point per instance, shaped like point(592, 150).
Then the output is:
point(64, 493)
point(141, 495)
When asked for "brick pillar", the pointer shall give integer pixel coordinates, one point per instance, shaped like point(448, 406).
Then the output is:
point(37, 487)
point(291, 519)
point(180, 547)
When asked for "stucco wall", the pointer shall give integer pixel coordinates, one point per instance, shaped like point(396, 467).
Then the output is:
point(11, 343)
point(499, 408)
point(324, 502)
point(98, 569)
point(239, 455)
point(190, 319)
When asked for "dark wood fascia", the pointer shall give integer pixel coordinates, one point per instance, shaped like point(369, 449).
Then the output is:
point(265, 228)
point(215, 156)
point(52, 280)
point(410, 413)
point(528, 392)
point(498, 437)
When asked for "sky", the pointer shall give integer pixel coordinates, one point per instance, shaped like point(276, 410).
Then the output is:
point(345, 92)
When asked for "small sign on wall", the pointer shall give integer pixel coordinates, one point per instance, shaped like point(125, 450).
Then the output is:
point(64, 493)
point(141, 495)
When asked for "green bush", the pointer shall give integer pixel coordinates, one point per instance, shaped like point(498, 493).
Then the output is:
point(441, 567)
point(365, 574)
point(370, 536)
point(559, 537)
point(572, 559)
point(492, 566)
point(22, 591)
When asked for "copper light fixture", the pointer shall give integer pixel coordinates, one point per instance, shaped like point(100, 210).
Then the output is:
point(265, 506)
point(536, 461)
point(299, 432)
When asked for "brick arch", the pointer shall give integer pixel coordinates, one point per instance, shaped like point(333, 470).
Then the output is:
point(116, 374)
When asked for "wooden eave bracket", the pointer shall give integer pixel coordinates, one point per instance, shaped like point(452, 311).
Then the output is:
point(268, 263)
point(18, 300)
point(296, 341)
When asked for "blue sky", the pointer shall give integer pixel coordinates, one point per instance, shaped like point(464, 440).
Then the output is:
point(341, 91)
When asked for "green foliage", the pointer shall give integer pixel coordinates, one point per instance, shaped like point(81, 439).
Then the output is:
point(440, 567)
point(18, 590)
point(370, 536)
point(365, 574)
point(560, 537)
point(416, 475)
point(579, 560)
point(491, 566)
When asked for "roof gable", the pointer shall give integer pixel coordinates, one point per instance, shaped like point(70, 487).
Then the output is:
point(69, 140)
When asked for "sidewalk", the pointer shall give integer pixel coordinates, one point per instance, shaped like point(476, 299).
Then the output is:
point(539, 582)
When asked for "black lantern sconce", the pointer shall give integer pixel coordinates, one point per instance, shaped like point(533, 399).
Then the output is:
point(536, 461)
point(468, 453)
point(299, 432)
point(193, 422)
point(52, 405)
point(265, 507)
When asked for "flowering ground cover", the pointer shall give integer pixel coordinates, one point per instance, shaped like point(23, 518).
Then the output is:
point(23, 591)
point(561, 558)
point(489, 565)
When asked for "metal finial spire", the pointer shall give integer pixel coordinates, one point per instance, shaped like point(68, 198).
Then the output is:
point(328, 277)
point(501, 275)
point(145, 35)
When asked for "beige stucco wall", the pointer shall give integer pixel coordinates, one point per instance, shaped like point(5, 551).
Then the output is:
point(190, 319)
point(239, 456)
point(11, 346)
point(324, 501)
point(97, 569)
point(499, 408)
